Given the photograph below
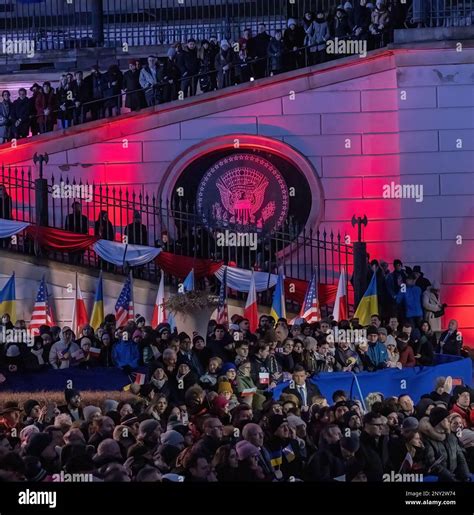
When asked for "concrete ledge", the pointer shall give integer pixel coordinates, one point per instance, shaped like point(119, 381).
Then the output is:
point(432, 34)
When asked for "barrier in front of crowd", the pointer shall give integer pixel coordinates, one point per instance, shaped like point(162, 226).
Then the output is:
point(415, 381)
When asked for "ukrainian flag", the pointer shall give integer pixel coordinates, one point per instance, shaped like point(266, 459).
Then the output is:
point(278, 304)
point(368, 304)
point(8, 299)
point(97, 316)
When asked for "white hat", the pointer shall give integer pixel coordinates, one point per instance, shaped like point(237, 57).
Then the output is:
point(347, 5)
point(224, 42)
point(390, 341)
point(291, 21)
point(435, 285)
point(467, 438)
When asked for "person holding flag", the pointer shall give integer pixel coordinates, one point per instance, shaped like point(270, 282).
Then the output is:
point(8, 298)
point(368, 304)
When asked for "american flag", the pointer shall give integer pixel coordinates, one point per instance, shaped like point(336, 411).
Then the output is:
point(42, 313)
point(124, 307)
point(310, 309)
point(222, 312)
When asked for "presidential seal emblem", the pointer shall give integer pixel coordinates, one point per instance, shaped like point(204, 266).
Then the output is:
point(243, 192)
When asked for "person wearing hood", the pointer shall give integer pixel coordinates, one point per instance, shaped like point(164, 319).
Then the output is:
point(61, 352)
point(317, 33)
point(433, 307)
point(126, 353)
point(293, 39)
point(224, 64)
point(171, 76)
point(380, 23)
point(377, 353)
point(135, 98)
point(444, 456)
point(393, 354)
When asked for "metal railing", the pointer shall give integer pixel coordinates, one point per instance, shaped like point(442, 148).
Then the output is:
point(58, 24)
point(173, 227)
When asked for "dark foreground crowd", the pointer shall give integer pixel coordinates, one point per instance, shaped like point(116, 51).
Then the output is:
point(196, 66)
point(212, 435)
point(204, 408)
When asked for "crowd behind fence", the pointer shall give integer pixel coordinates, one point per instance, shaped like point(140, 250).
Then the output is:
point(128, 214)
point(111, 23)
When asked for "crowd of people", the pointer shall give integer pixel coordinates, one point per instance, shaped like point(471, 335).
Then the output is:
point(194, 66)
point(203, 407)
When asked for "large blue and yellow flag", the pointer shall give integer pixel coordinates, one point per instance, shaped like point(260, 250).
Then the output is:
point(97, 316)
point(278, 304)
point(368, 304)
point(8, 299)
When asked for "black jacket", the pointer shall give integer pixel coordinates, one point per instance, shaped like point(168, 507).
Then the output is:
point(444, 447)
point(452, 345)
point(188, 62)
point(276, 50)
point(21, 111)
point(131, 82)
point(76, 223)
point(375, 455)
point(136, 233)
point(311, 391)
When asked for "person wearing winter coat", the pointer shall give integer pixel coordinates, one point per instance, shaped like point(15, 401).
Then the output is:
point(407, 357)
point(293, 39)
point(317, 33)
point(126, 353)
point(393, 354)
point(374, 447)
point(81, 96)
point(61, 352)
point(377, 352)
point(347, 360)
point(21, 115)
point(450, 341)
point(96, 84)
point(342, 25)
point(224, 64)
point(113, 90)
point(135, 98)
point(433, 307)
point(411, 301)
point(380, 23)
point(276, 50)
point(259, 46)
point(362, 19)
point(64, 97)
point(6, 118)
point(425, 346)
point(151, 77)
point(188, 64)
point(444, 456)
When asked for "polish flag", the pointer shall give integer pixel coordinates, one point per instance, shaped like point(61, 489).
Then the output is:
point(159, 311)
point(251, 311)
point(79, 314)
point(340, 306)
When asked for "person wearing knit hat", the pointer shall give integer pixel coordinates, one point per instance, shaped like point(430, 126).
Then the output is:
point(276, 421)
point(38, 444)
point(467, 438)
point(462, 405)
point(29, 406)
point(424, 407)
point(110, 405)
point(26, 434)
point(350, 444)
point(298, 425)
point(173, 438)
point(246, 450)
point(410, 424)
point(91, 413)
point(220, 405)
point(438, 415)
point(224, 388)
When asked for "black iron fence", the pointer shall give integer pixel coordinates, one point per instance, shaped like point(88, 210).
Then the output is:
point(61, 24)
point(111, 210)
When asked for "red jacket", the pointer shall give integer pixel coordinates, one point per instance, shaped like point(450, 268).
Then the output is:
point(407, 358)
point(48, 101)
point(466, 414)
